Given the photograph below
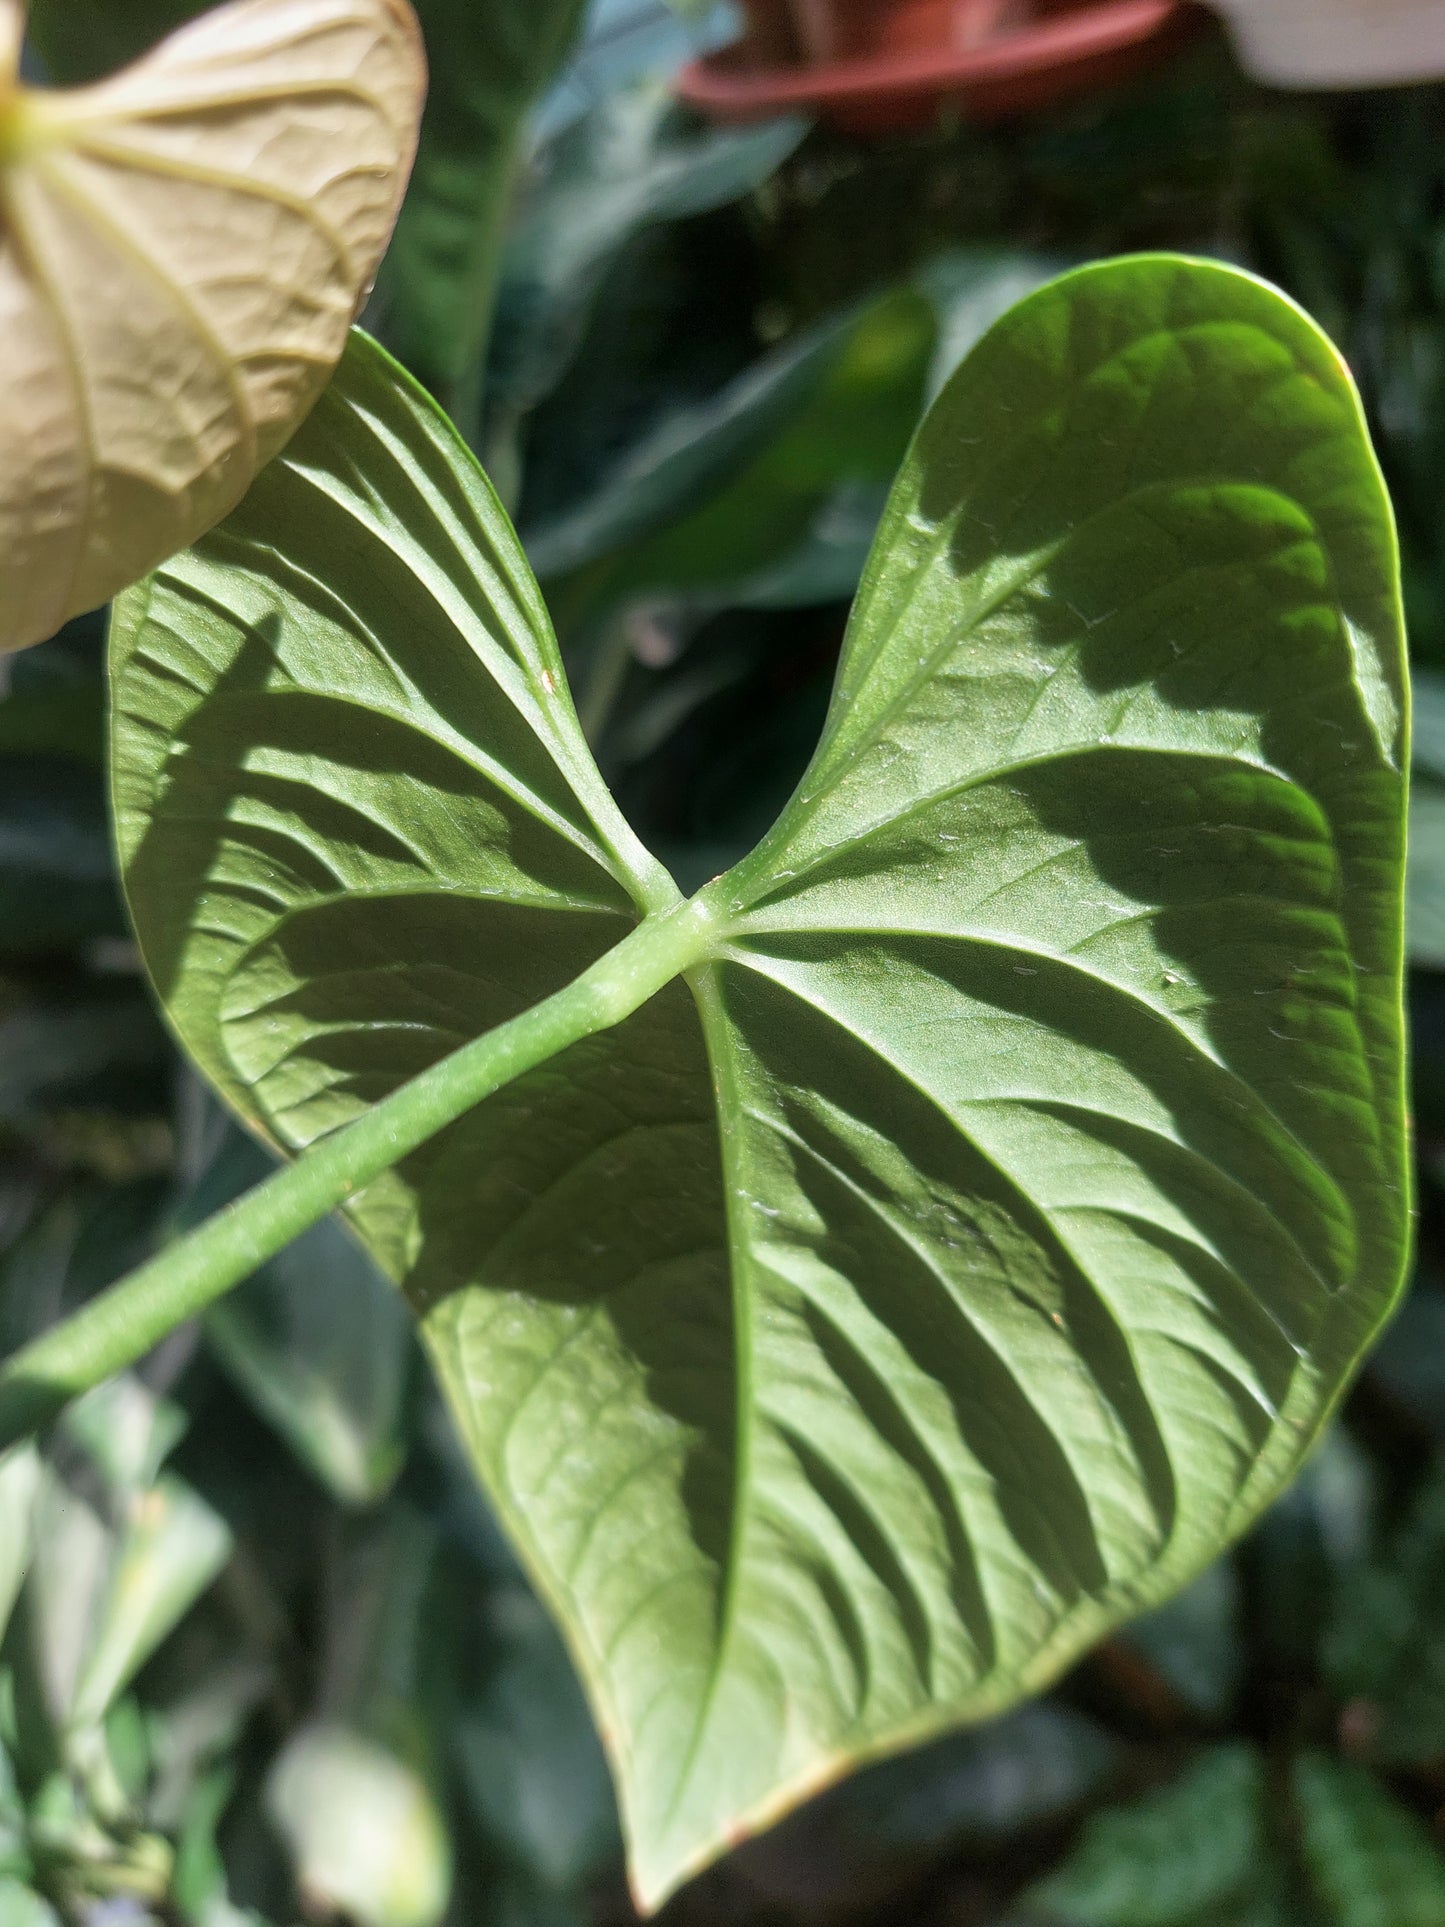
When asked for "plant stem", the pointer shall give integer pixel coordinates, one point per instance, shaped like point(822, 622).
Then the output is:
point(125, 1321)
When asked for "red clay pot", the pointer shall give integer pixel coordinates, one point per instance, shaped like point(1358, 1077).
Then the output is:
point(881, 66)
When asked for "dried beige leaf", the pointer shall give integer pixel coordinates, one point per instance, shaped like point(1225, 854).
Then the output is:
point(183, 247)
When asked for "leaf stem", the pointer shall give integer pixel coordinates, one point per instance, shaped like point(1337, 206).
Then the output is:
point(125, 1321)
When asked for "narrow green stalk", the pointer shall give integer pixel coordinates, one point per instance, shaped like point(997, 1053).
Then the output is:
point(123, 1323)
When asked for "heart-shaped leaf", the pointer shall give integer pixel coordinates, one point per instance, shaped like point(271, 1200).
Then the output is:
point(182, 250)
point(984, 1239)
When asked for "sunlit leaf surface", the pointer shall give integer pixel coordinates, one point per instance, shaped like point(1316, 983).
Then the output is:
point(983, 1240)
point(182, 249)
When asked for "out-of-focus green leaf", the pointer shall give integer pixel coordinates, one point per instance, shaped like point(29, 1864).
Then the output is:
point(197, 1725)
point(787, 469)
point(20, 1907)
point(83, 1861)
point(172, 1546)
point(632, 160)
point(79, 40)
point(1194, 1643)
point(1425, 881)
point(68, 1575)
point(1410, 1360)
point(531, 1762)
point(488, 63)
point(681, 462)
point(1370, 1861)
point(89, 1047)
point(122, 1552)
point(1386, 1642)
point(378, 1630)
point(626, 42)
point(15, 1858)
point(972, 1791)
point(1427, 722)
point(1192, 1855)
point(363, 1827)
point(57, 886)
point(127, 1433)
point(198, 1885)
point(19, 1483)
point(126, 1736)
point(1305, 1549)
point(319, 1341)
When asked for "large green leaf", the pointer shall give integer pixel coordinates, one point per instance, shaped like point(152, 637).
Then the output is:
point(984, 1239)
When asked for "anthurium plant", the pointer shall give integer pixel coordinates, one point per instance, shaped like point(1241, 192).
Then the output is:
point(864, 1282)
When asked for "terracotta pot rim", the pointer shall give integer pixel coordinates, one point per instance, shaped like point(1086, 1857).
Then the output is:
point(720, 84)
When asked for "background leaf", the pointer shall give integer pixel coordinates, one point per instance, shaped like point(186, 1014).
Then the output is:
point(628, 162)
point(488, 64)
point(1385, 1646)
point(364, 1828)
point(83, 40)
point(1194, 1853)
point(1372, 1862)
point(317, 1338)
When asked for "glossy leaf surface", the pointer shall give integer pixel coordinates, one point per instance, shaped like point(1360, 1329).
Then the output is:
point(983, 1241)
point(183, 247)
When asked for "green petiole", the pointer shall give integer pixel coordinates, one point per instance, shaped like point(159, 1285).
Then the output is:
point(121, 1324)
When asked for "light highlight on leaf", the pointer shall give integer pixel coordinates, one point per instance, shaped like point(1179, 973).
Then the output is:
point(182, 249)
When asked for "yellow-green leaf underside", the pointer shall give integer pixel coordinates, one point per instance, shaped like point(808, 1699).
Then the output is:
point(948, 1267)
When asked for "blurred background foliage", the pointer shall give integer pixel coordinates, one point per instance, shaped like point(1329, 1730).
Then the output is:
point(265, 1656)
